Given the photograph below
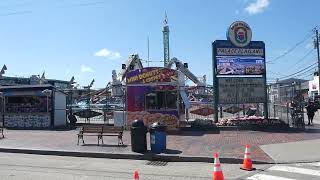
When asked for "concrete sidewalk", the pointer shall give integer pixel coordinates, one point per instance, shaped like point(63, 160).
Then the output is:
point(192, 146)
point(293, 152)
point(196, 146)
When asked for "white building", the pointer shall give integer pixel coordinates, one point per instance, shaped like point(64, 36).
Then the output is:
point(314, 87)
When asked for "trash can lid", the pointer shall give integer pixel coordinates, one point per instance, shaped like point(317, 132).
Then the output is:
point(137, 123)
point(157, 126)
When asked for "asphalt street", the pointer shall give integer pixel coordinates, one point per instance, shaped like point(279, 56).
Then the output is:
point(40, 167)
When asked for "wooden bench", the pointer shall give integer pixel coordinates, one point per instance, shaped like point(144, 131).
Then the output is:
point(113, 131)
point(100, 131)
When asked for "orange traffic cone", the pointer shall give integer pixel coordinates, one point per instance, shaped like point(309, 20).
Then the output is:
point(247, 162)
point(217, 172)
point(135, 175)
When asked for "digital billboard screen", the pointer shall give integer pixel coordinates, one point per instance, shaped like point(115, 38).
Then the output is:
point(240, 65)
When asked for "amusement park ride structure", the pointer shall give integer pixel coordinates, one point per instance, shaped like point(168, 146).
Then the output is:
point(135, 62)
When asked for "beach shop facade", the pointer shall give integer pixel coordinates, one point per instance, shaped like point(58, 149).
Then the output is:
point(33, 107)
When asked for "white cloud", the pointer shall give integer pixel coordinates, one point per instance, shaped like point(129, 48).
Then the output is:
point(257, 7)
point(85, 68)
point(107, 54)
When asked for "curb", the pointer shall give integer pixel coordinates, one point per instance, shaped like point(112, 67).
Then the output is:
point(147, 156)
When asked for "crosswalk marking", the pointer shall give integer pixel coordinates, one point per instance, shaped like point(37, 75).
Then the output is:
point(295, 170)
point(267, 177)
point(316, 164)
point(289, 172)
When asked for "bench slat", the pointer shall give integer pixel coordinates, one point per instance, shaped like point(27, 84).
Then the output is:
point(100, 131)
point(112, 129)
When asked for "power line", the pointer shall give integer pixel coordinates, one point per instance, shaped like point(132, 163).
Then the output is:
point(304, 73)
point(276, 73)
point(62, 6)
point(84, 4)
point(291, 49)
point(16, 13)
point(302, 70)
point(308, 75)
point(23, 4)
point(302, 59)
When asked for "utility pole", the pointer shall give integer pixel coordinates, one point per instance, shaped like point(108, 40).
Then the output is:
point(317, 46)
point(148, 52)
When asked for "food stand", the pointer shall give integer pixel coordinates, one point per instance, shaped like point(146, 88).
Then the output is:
point(153, 96)
point(33, 107)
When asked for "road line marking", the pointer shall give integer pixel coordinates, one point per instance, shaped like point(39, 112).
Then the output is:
point(295, 170)
point(267, 177)
point(315, 164)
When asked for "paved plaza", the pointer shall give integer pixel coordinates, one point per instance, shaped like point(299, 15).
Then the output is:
point(196, 144)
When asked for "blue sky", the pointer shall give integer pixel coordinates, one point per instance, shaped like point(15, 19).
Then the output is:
point(64, 38)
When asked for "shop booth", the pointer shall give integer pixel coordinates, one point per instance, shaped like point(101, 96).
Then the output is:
point(33, 107)
point(154, 95)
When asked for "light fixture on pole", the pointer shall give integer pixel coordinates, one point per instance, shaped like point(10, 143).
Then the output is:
point(70, 88)
point(88, 99)
point(47, 92)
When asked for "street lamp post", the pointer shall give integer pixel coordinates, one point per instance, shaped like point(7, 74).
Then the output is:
point(47, 92)
point(89, 99)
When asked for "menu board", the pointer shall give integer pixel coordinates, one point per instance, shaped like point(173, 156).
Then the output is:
point(241, 90)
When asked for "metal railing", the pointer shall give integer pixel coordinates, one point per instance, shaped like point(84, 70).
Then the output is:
point(279, 111)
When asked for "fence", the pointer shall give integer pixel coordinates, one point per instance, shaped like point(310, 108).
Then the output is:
point(200, 110)
point(201, 101)
point(103, 104)
point(275, 111)
point(286, 114)
point(278, 111)
point(96, 107)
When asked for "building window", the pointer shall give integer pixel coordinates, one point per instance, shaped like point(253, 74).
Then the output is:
point(27, 104)
point(161, 100)
point(171, 98)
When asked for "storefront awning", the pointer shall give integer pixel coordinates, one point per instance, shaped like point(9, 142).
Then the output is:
point(25, 90)
point(185, 99)
point(23, 93)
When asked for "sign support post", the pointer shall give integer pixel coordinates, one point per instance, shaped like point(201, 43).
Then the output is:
point(265, 104)
point(215, 85)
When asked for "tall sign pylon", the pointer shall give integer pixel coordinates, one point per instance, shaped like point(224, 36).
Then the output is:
point(166, 41)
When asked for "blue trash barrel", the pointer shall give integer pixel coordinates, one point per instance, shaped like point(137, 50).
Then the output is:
point(158, 138)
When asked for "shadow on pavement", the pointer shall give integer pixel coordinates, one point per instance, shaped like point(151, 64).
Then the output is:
point(106, 145)
point(288, 131)
point(194, 133)
point(172, 151)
